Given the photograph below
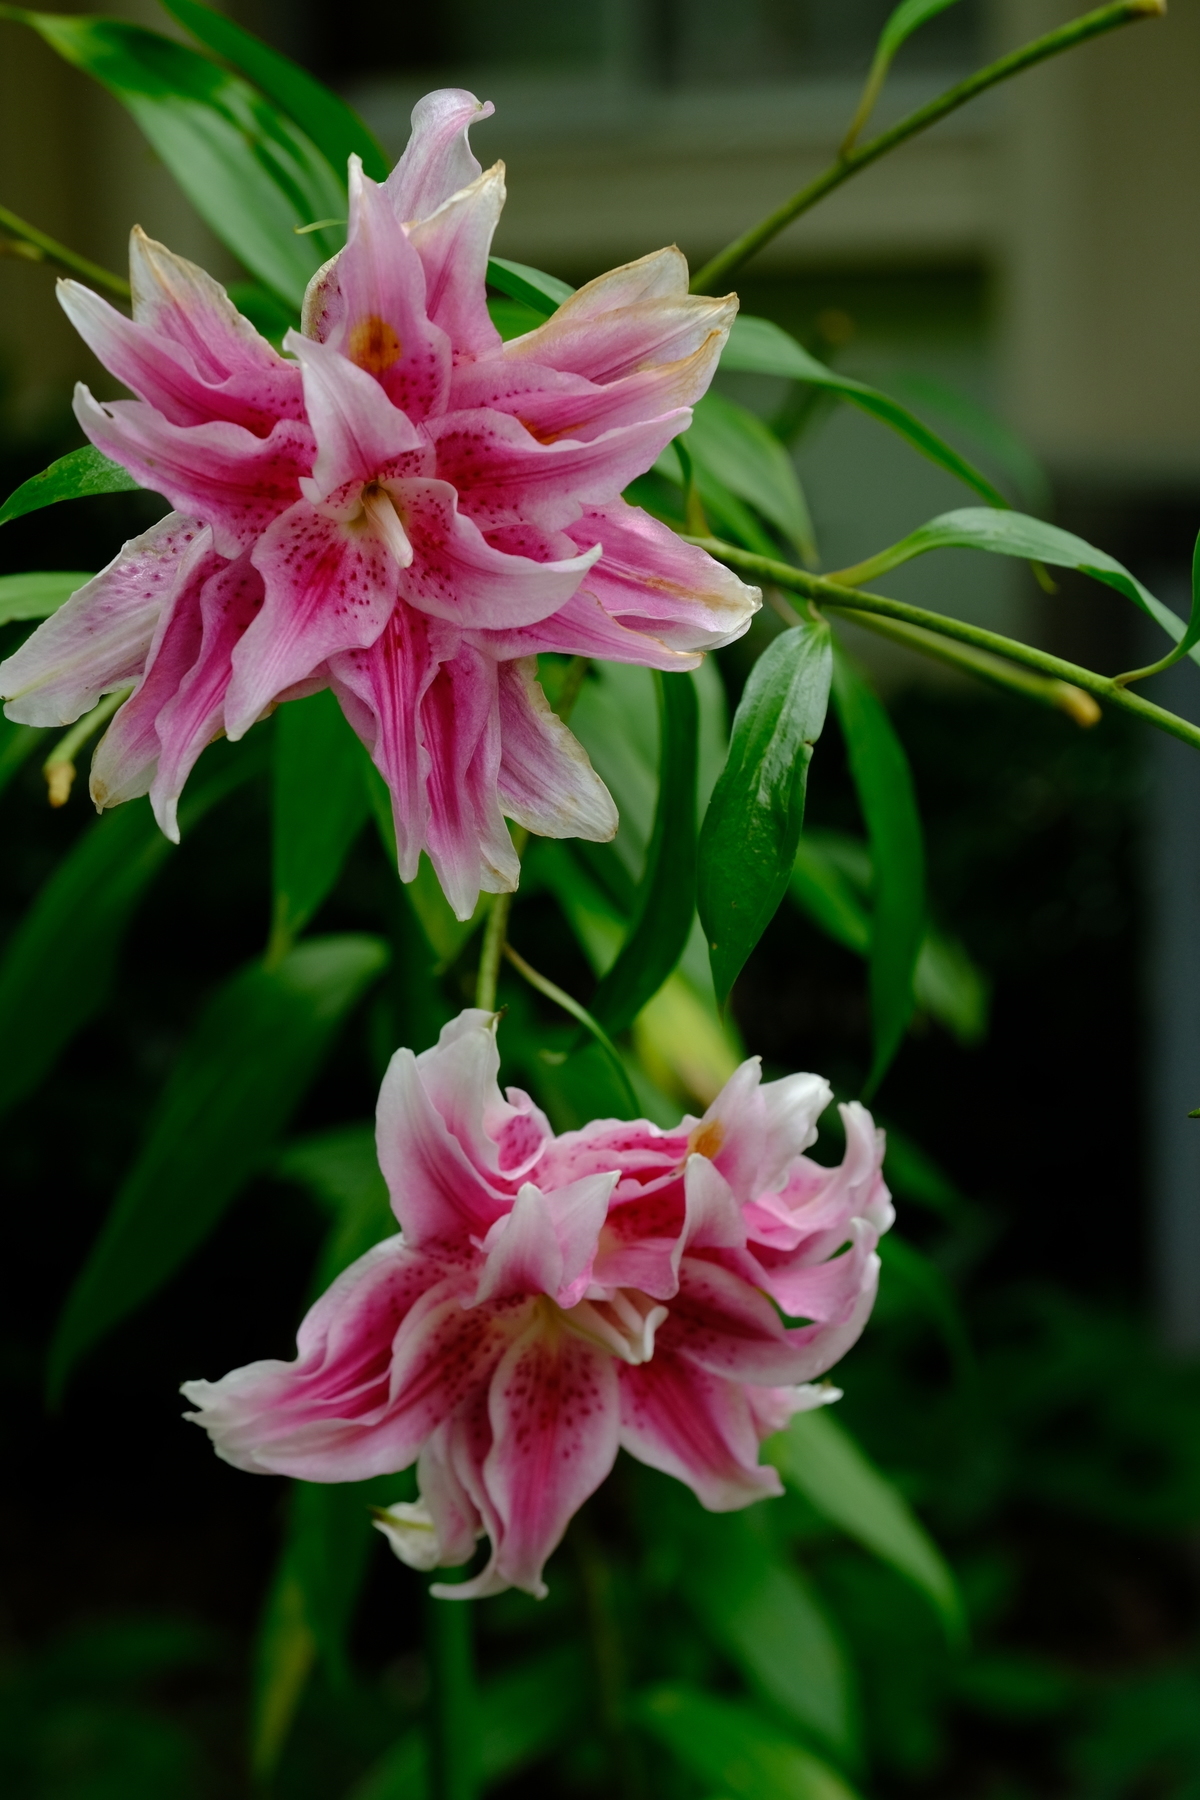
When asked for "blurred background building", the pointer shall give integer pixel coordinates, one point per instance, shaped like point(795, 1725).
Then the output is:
point(1037, 254)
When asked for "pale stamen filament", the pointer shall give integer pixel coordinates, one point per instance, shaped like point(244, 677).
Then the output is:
point(381, 511)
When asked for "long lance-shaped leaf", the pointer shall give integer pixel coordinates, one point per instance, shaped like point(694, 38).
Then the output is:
point(1016, 534)
point(818, 1458)
point(544, 293)
point(746, 456)
point(81, 472)
point(58, 965)
point(733, 1750)
point(37, 594)
point(884, 785)
point(250, 173)
point(334, 127)
point(254, 1051)
point(666, 896)
point(758, 347)
point(752, 826)
point(908, 17)
point(320, 805)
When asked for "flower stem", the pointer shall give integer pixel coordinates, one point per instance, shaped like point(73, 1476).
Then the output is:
point(454, 1712)
point(1105, 18)
point(50, 247)
point(858, 605)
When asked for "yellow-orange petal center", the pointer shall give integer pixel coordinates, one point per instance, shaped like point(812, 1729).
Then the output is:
point(373, 345)
point(707, 1138)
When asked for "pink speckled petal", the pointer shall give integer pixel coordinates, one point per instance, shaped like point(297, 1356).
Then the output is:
point(438, 1195)
point(222, 473)
point(678, 1418)
point(581, 627)
point(502, 473)
point(438, 160)
point(455, 573)
point(99, 639)
point(726, 1326)
point(195, 715)
point(358, 430)
point(381, 690)
point(653, 583)
point(628, 319)
point(547, 1243)
point(468, 841)
point(329, 587)
point(554, 1413)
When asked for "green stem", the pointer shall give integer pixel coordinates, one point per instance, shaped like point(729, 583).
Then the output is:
point(454, 1712)
point(857, 604)
point(608, 1658)
point(561, 998)
point(1093, 24)
point(60, 254)
point(1061, 695)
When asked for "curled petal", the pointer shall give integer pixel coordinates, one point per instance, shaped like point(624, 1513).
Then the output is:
point(546, 779)
point(653, 583)
point(381, 690)
point(697, 1427)
point(753, 1132)
point(729, 1328)
point(500, 1137)
point(438, 1195)
point(547, 1243)
point(100, 638)
point(237, 482)
point(467, 840)
point(581, 627)
point(357, 428)
point(438, 160)
point(453, 244)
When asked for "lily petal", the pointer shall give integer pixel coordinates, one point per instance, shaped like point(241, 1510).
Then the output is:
point(654, 583)
point(546, 780)
point(453, 244)
point(438, 160)
point(99, 639)
point(695, 1426)
point(468, 841)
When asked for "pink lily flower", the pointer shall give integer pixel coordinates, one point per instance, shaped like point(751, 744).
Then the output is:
point(549, 1300)
point(402, 508)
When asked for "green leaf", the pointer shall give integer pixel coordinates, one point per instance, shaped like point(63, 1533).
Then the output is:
point(745, 455)
point(58, 965)
point(733, 1750)
point(37, 594)
point(666, 897)
point(752, 826)
point(250, 173)
point(914, 1282)
point(254, 1051)
point(334, 127)
point(544, 293)
point(885, 792)
point(766, 1618)
point(821, 1461)
point(1016, 534)
point(823, 890)
point(950, 987)
point(320, 806)
point(70, 478)
point(758, 347)
point(17, 745)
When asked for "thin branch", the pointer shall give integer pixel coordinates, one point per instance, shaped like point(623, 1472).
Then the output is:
point(69, 259)
point(856, 603)
point(1093, 24)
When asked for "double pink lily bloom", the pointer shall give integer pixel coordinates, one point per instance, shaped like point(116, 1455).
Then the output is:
point(552, 1299)
point(403, 508)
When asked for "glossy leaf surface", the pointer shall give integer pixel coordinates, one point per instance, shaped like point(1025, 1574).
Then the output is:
point(884, 785)
point(254, 1050)
point(335, 128)
point(735, 1751)
point(320, 804)
point(1017, 534)
point(746, 456)
point(543, 293)
point(666, 896)
point(81, 472)
point(758, 347)
point(752, 826)
point(821, 1461)
point(250, 173)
